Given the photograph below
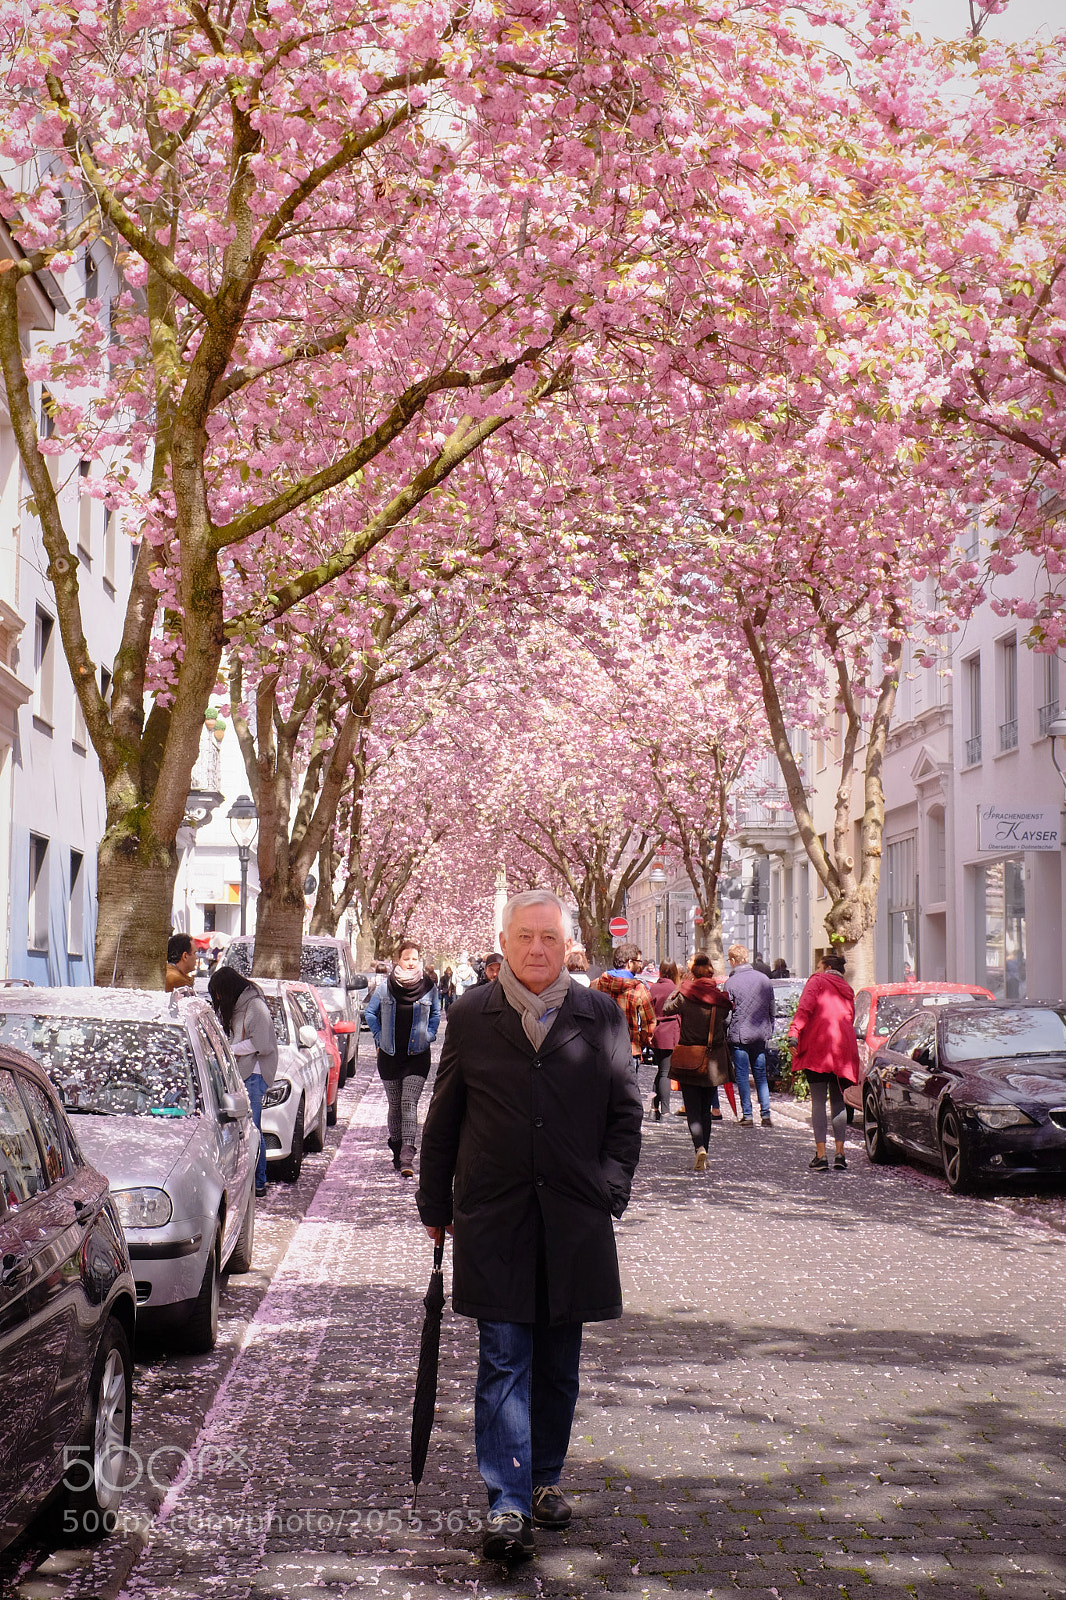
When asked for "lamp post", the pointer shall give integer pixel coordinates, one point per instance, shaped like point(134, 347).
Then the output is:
point(243, 825)
point(679, 929)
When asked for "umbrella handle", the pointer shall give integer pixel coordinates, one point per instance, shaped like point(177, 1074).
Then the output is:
point(438, 1257)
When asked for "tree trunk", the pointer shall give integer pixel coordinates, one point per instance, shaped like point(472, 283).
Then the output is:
point(279, 931)
point(135, 902)
point(713, 936)
point(366, 944)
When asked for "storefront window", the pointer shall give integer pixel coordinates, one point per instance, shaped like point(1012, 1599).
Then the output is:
point(1000, 925)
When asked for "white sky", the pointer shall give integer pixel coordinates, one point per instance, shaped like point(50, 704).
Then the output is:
point(1022, 19)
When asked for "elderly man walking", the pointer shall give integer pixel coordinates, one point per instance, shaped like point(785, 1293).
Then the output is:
point(750, 1026)
point(528, 1151)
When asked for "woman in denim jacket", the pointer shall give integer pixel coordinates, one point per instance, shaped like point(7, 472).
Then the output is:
point(402, 1016)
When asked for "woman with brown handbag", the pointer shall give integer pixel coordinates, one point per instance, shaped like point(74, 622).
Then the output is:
point(700, 1060)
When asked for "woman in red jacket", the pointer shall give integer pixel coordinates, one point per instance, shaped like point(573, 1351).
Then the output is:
point(823, 1033)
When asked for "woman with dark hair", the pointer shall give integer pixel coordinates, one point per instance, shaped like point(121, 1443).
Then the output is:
point(703, 1009)
point(402, 1016)
point(666, 1035)
point(823, 1034)
point(246, 1018)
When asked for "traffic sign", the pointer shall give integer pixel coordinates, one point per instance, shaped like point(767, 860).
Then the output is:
point(698, 919)
point(619, 927)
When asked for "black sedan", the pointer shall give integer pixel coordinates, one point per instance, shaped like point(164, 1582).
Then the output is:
point(67, 1308)
point(978, 1089)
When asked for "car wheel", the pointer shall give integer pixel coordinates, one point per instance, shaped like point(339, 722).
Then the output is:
point(331, 1111)
point(241, 1259)
point(955, 1154)
point(289, 1169)
point(878, 1148)
point(93, 1485)
point(316, 1139)
point(201, 1329)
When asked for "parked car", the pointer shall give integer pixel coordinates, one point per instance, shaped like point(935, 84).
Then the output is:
point(67, 1312)
point(312, 1010)
point(881, 1007)
point(330, 966)
point(979, 1089)
point(294, 1107)
point(161, 1109)
point(786, 998)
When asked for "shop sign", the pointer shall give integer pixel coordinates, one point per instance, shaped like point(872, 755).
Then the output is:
point(1015, 828)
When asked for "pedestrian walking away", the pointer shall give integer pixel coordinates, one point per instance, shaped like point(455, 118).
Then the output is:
point(403, 1014)
point(750, 1026)
point(825, 1047)
point(621, 982)
point(667, 1034)
point(528, 1152)
point(245, 1016)
point(702, 1008)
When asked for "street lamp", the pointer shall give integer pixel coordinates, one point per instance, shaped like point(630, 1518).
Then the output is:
point(1057, 730)
point(243, 825)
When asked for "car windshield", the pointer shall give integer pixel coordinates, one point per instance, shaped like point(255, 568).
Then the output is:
point(786, 999)
point(109, 1066)
point(318, 963)
point(277, 1013)
point(892, 1009)
point(1006, 1033)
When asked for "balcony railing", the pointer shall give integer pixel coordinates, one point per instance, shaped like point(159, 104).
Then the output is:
point(973, 750)
point(1008, 735)
point(1046, 716)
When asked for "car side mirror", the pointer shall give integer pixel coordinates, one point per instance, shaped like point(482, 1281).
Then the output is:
point(234, 1107)
point(922, 1055)
point(307, 1036)
point(359, 982)
point(346, 1027)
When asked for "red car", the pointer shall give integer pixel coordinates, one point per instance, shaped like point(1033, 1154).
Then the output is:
point(881, 1007)
point(313, 1011)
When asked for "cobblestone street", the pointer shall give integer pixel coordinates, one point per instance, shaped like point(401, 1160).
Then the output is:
point(824, 1385)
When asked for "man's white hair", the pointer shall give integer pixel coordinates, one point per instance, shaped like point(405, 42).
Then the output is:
point(536, 897)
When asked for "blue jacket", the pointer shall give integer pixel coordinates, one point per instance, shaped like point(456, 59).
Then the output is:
point(752, 1020)
point(380, 1017)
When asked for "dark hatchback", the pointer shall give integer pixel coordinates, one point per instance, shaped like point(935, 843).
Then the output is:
point(978, 1089)
point(67, 1308)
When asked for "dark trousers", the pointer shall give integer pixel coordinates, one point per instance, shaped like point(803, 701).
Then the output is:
point(527, 1385)
point(698, 1104)
point(661, 1087)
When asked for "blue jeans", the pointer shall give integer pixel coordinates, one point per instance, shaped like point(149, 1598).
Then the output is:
point(527, 1383)
point(256, 1087)
point(747, 1065)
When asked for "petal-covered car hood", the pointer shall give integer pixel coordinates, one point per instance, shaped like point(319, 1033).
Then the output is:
point(1043, 1081)
point(135, 1152)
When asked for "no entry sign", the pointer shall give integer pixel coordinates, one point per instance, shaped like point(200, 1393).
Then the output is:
point(619, 927)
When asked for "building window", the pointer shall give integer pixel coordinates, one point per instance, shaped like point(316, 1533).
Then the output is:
point(92, 277)
point(85, 517)
point(902, 910)
point(80, 734)
point(105, 685)
point(110, 548)
point(1000, 926)
point(938, 856)
point(972, 674)
point(1047, 692)
point(43, 667)
point(76, 911)
point(1007, 664)
point(38, 903)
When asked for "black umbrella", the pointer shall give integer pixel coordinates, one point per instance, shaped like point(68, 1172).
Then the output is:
point(426, 1381)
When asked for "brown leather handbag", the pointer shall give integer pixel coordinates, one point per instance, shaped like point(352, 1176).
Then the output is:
point(708, 1065)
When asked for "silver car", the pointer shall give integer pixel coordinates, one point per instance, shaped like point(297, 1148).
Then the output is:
point(159, 1107)
point(295, 1107)
point(330, 966)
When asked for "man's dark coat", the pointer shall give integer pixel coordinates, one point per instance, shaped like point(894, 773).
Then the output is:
point(523, 1146)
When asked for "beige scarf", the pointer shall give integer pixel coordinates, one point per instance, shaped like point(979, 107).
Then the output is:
point(538, 1011)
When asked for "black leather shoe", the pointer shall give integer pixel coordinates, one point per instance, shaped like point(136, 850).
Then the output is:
point(550, 1509)
point(509, 1537)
